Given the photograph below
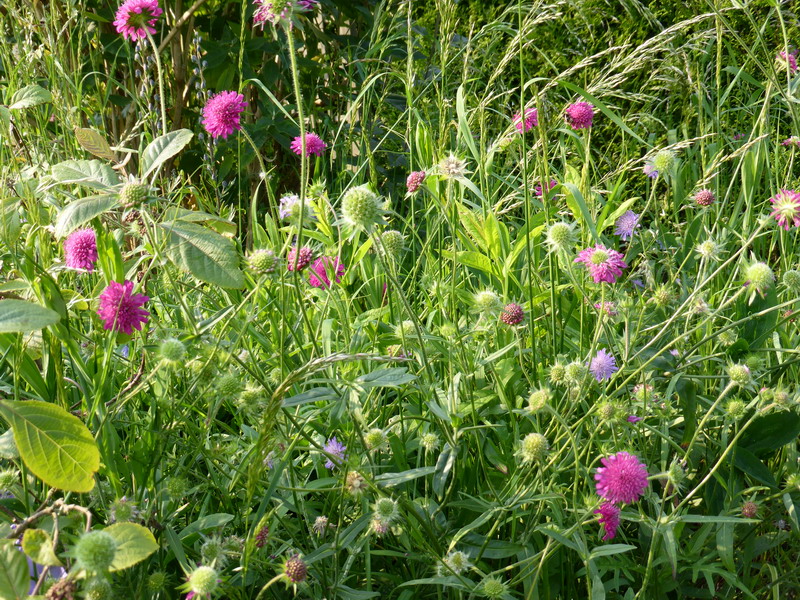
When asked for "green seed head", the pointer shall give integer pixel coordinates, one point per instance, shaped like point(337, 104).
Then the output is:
point(228, 386)
point(759, 275)
point(533, 448)
point(133, 194)
point(739, 374)
point(157, 581)
point(663, 161)
point(561, 236)
point(262, 261)
point(203, 581)
point(487, 302)
point(95, 551)
point(392, 244)
point(735, 409)
point(575, 372)
point(361, 208)
point(539, 399)
point(728, 337)
point(558, 373)
point(791, 279)
point(429, 441)
point(386, 510)
point(492, 587)
point(172, 350)
point(376, 439)
point(8, 479)
point(98, 589)
point(406, 331)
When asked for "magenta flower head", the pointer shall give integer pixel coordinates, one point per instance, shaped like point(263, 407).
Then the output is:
point(314, 145)
point(791, 141)
point(626, 225)
point(414, 180)
point(538, 189)
point(622, 478)
point(603, 264)
point(275, 12)
point(319, 271)
point(530, 121)
point(786, 208)
point(704, 198)
point(80, 249)
point(603, 365)
point(222, 114)
point(121, 309)
point(301, 258)
point(135, 18)
point(307, 4)
point(579, 115)
point(335, 448)
point(512, 314)
point(787, 58)
point(609, 519)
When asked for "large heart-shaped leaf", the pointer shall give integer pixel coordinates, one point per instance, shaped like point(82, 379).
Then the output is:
point(134, 544)
point(19, 316)
point(81, 211)
point(54, 444)
point(14, 579)
point(204, 254)
point(90, 173)
point(162, 149)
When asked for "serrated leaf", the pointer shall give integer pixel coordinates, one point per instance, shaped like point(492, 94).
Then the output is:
point(162, 149)
point(30, 95)
point(89, 173)
point(81, 211)
point(204, 254)
point(8, 448)
point(54, 444)
point(38, 544)
point(19, 316)
point(14, 578)
point(134, 544)
point(94, 142)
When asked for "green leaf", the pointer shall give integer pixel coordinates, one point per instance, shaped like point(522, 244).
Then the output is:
point(94, 142)
point(20, 316)
point(88, 173)
point(38, 544)
point(54, 444)
point(30, 95)
point(8, 448)
point(14, 578)
point(10, 223)
point(81, 211)
point(577, 205)
point(610, 549)
point(162, 149)
point(134, 544)
point(392, 479)
point(463, 124)
point(204, 254)
point(770, 432)
point(316, 394)
point(206, 523)
point(752, 465)
point(391, 377)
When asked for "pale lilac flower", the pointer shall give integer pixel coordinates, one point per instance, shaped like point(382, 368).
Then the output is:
point(80, 249)
point(622, 478)
point(530, 121)
point(337, 450)
point(314, 145)
point(135, 18)
point(603, 365)
point(603, 264)
point(609, 519)
point(579, 115)
point(626, 225)
point(222, 114)
point(650, 170)
point(121, 309)
point(634, 419)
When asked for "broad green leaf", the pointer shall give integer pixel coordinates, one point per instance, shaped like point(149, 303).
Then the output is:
point(54, 444)
point(313, 395)
point(770, 432)
point(752, 465)
point(30, 95)
point(81, 211)
point(392, 479)
point(391, 377)
point(10, 223)
point(218, 224)
point(206, 523)
point(20, 316)
point(162, 149)
point(38, 544)
point(5, 120)
point(89, 173)
point(94, 142)
point(463, 124)
point(8, 448)
point(14, 578)
point(577, 205)
point(204, 254)
point(610, 549)
point(134, 544)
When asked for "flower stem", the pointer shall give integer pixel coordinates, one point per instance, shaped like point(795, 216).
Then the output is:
point(160, 75)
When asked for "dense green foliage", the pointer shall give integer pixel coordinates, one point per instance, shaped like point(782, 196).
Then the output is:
point(421, 424)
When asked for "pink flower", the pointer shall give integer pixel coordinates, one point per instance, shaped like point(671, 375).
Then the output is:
point(272, 11)
point(314, 145)
point(531, 120)
point(80, 249)
point(319, 271)
point(538, 189)
point(135, 18)
point(786, 208)
point(121, 309)
point(609, 519)
point(603, 264)
point(414, 180)
point(307, 4)
point(622, 478)
point(791, 141)
point(579, 115)
point(789, 59)
point(512, 314)
point(222, 114)
point(704, 198)
point(303, 260)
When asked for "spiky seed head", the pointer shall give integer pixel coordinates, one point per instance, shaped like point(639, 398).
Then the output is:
point(676, 475)
point(759, 275)
point(355, 483)
point(172, 351)
point(228, 385)
point(361, 207)
point(662, 296)
point(739, 374)
point(98, 589)
point(561, 237)
point(558, 373)
point(134, 194)
point(793, 482)
point(735, 409)
point(156, 581)
point(791, 280)
point(663, 161)
point(203, 581)
point(575, 373)
point(533, 447)
point(429, 441)
point(405, 330)
point(95, 551)
point(376, 439)
point(492, 587)
point(262, 261)
point(457, 561)
point(386, 510)
point(709, 249)
point(8, 479)
point(453, 167)
point(213, 552)
point(728, 337)
point(392, 244)
point(539, 399)
point(607, 411)
point(487, 302)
